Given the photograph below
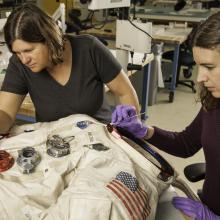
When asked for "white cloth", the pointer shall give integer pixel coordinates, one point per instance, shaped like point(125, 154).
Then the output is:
point(159, 70)
point(77, 186)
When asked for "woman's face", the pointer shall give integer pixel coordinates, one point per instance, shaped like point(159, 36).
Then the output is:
point(33, 55)
point(208, 62)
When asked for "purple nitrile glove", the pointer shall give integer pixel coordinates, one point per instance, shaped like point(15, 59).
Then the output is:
point(194, 209)
point(124, 116)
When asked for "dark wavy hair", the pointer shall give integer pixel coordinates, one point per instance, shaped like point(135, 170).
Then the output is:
point(31, 24)
point(207, 35)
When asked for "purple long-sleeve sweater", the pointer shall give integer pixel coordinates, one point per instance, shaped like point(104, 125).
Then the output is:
point(203, 132)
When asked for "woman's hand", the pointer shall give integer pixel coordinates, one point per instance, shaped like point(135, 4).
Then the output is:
point(125, 116)
point(194, 209)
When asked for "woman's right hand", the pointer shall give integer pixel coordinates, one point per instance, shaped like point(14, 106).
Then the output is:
point(125, 116)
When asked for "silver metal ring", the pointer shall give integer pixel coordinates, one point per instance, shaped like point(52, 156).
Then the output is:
point(28, 159)
point(57, 146)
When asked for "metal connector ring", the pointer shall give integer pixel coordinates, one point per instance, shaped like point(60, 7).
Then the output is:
point(28, 159)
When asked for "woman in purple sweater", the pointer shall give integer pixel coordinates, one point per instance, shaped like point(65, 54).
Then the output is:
point(204, 130)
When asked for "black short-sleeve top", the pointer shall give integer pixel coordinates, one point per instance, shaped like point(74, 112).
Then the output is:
point(92, 66)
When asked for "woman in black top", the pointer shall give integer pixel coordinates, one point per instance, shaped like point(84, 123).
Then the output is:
point(64, 75)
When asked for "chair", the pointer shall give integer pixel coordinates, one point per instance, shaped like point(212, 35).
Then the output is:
point(185, 61)
point(194, 173)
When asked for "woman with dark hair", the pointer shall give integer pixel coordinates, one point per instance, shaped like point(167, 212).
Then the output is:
point(64, 75)
point(204, 130)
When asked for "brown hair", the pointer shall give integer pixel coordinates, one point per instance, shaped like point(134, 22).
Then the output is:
point(207, 35)
point(31, 24)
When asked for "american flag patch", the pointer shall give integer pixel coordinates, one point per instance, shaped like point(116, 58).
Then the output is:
point(136, 200)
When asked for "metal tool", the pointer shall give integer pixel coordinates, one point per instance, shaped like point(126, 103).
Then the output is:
point(111, 126)
point(133, 116)
point(97, 147)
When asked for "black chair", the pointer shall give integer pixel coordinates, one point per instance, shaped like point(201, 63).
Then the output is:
point(194, 173)
point(185, 61)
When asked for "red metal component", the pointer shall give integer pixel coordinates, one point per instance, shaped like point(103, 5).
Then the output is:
point(110, 128)
point(113, 130)
point(6, 161)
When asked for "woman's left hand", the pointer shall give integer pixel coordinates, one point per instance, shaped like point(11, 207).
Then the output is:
point(194, 209)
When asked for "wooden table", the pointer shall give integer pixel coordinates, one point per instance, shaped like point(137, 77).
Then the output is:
point(166, 34)
point(171, 36)
point(167, 14)
point(27, 110)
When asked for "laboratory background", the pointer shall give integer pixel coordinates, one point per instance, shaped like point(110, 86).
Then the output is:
point(150, 40)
